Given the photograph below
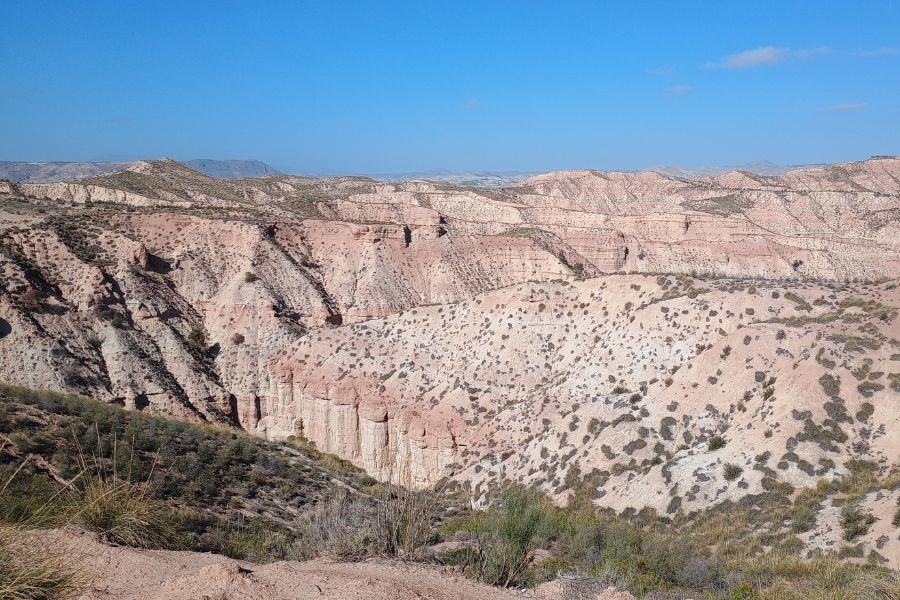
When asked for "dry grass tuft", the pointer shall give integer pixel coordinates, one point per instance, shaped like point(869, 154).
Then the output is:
point(121, 510)
point(395, 522)
point(30, 571)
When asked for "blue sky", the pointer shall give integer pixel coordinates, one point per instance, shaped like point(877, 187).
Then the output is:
point(381, 87)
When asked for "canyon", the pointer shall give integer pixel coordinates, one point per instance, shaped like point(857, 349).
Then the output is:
point(664, 342)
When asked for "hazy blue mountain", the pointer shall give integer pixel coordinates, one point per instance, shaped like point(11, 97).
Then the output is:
point(230, 169)
point(470, 179)
point(45, 172)
point(34, 172)
point(759, 167)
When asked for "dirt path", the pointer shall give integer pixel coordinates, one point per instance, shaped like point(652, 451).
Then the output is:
point(130, 574)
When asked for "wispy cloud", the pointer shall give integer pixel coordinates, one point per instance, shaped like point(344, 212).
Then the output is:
point(661, 71)
point(767, 56)
point(677, 90)
point(846, 107)
point(875, 52)
point(472, 104)
point(758, 57)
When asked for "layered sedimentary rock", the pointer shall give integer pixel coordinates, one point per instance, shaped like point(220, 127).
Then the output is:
point(578, 327)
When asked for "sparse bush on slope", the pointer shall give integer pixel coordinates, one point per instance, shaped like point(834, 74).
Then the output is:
point(396, 522)
point(173, 484)
point(716, 442)
point(523, 521)
point(129, 492)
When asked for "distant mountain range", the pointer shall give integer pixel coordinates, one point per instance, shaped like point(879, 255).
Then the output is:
point(479, 179)
point(45, 172)
point(508, 178)
point(230, 169)
point(38, 172)
point(759, 167)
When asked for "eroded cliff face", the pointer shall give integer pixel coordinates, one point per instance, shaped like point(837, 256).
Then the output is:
point(364, 427)
point(424, 330)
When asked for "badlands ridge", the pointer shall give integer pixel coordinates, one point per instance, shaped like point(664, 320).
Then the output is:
point(581, 328)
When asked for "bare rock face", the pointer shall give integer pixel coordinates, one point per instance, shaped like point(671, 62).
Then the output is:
point(581, 328)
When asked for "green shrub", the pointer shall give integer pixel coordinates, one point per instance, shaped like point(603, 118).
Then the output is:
point(865, 411)
point(523, 520)
point(259, 544)
point(196, 340)
point(830, 384)
point(732, 472)
point(855, 522)
point(716, 442)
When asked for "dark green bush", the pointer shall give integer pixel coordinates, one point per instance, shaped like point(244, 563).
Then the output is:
point(196, 340)
point(716, 442)
point(732, 472)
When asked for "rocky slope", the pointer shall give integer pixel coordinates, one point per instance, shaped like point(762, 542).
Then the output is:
point(623, 380)
point(580, 326)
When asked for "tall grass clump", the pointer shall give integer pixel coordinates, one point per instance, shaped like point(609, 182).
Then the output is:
point(122, 510)
point(788, 577)
point(855, 522)
point(33, 571)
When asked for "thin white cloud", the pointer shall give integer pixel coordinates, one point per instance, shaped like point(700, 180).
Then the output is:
point(768, 56)
point(875, 52)
point(846, 107)
point(661, 71)
point(677, 90)
point(758, 57)
point(472, 104)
